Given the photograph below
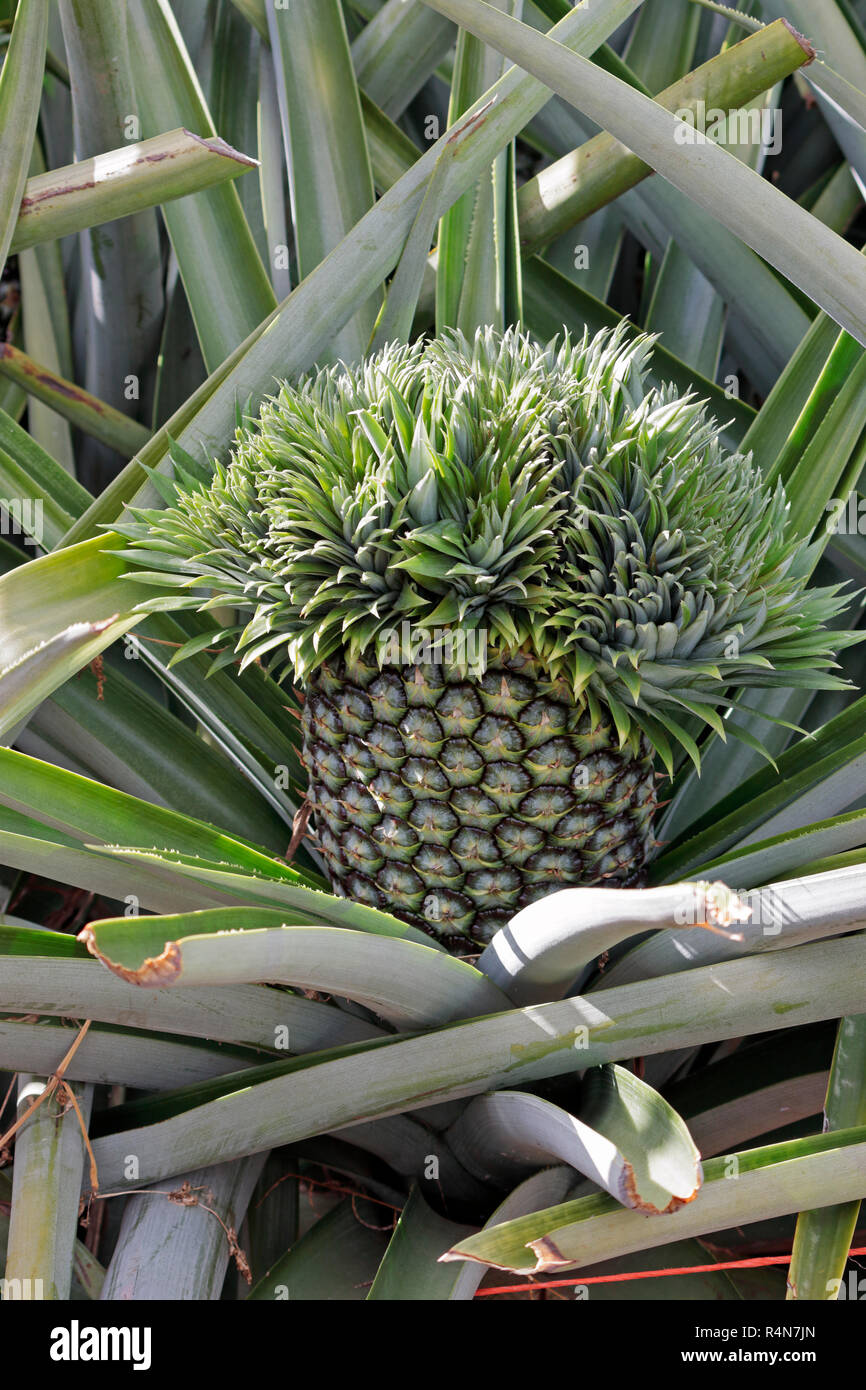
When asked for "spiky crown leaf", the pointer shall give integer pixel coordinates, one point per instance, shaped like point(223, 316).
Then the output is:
point(544, 497)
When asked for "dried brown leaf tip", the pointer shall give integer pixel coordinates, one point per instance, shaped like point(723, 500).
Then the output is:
point(634, 1199)
point(154, 971)
point(548, 1255)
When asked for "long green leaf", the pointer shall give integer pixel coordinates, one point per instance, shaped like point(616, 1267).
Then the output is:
point(627, 1140)
point(336, 1260)
point(410, 1268)
point(818, 775)
point(98, 815)
point(398, 50)
point(662, 42)
point(121, 259)
point(233, 96)
point(87, 1272)
point(326, 149)
point(244, 713)
point(788, 913)
point(159, 881)
point(46, 635)
point(46, 1183)
point(106, 727)
point(220, 885)
point(510, 1049)
point(546, 945)
point(739, 1188)
point(92, 416)
point(117, 1056)
point(477, 232)
point(47, 498)
point(273, 1215)
point(227, 286)
point(395, 322)
point(255, 13)
point(52, 973)
point(687, 313)
point(823, 1236)
point(817, 480)
point(407, 984)
point(121, 182)
point(180, 1250)
point(762, 1087)
point(272, 182)
point(591, 176)
point(44, 474)
point(817, 260)
point(20, 94)
point(46, 331)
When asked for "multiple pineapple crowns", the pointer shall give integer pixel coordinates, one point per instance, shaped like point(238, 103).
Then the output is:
point(499, 496)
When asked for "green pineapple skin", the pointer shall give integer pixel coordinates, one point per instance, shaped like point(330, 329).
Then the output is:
point(453, 801)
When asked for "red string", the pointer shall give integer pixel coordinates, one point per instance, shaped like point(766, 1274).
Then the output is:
point(649, 1274)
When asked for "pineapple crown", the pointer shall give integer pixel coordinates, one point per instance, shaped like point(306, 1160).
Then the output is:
point(512, 496)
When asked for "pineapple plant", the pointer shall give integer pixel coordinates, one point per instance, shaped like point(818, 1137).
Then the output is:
point(432, 841)
point(507, 577)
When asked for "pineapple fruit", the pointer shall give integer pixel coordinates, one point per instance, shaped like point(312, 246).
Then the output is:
point(589, 576)
point(455, 802)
